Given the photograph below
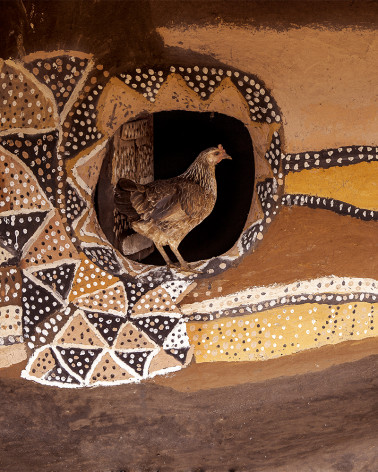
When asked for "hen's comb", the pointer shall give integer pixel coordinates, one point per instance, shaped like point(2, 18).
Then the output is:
point(220, 147)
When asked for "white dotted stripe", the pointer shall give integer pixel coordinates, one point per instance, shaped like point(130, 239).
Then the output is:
point(326, 158)
point(331, 204)
point(286, 294)
point(273, 154)
point(324, 298)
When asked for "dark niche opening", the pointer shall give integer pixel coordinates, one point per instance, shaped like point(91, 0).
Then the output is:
point(177, 139)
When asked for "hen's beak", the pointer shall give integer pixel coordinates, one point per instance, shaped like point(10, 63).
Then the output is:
point(224, 155)
point(221, 157)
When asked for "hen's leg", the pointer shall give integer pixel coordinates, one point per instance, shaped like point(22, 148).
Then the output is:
point(182, 262)
point(164, 254)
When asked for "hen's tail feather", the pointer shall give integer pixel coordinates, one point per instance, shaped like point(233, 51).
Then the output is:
point(122, 199)
point(127, 184)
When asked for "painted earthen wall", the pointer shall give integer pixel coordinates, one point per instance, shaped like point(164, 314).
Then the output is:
point(296, 296)
point(303, 273)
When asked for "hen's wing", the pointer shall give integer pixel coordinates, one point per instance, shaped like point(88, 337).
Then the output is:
point(158, 200)
point(172, 199)
point(152, 201)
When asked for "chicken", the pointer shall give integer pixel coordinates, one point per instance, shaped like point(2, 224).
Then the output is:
point(167, 210)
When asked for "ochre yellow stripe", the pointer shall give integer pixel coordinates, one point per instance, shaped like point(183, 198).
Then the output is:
point(355, 184)
point(281, 331)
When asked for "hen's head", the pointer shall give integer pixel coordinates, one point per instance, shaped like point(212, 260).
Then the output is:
point(213, 155)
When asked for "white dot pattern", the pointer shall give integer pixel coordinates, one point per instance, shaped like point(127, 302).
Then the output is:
point(81, 123)
point(74, 206)
point(336, 206)
point(204, 81)
point(104, 257)
point(273, 154)
point(60, 74)
point(326, 158)
point(146, 81)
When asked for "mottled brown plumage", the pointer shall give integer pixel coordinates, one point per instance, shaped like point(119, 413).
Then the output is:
point(167, 210)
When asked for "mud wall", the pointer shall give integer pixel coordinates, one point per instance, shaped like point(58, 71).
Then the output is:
point(303, 272)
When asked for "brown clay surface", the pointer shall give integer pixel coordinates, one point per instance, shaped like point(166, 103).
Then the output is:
point(317, 57)
point(301, 243)
point(321, 78)
point(207, 376)
point(315, 422)
point(271, 13)
point(250, 419)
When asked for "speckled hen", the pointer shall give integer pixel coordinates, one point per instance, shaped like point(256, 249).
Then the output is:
point(167, 210)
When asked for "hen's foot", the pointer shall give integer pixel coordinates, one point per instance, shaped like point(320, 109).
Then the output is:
point(172, 266)
point(182, 269)
point(188, 269)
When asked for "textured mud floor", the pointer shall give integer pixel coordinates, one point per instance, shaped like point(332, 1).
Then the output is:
point(317, 421)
